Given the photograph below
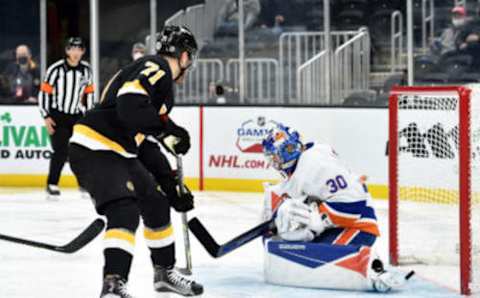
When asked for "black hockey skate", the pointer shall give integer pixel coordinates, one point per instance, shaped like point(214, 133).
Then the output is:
point(169, 280)
point(53, 192)
point(114, 287)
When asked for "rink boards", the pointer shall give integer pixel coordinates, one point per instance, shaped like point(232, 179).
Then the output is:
point(226, 152)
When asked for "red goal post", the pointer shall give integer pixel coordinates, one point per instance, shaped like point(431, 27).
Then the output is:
point(432, 131)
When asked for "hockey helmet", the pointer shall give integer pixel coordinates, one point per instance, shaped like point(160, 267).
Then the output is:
point(174, 40)
point(75, 42)
point(283, 147)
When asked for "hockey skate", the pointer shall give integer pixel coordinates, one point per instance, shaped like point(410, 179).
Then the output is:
point(169, 280)
point(114, 287)
point(383, 281)
point(53, 192)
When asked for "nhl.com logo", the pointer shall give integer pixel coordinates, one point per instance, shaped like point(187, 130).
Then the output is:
point(251, 133)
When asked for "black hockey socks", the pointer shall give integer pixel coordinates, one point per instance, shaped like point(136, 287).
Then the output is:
point(123, 219)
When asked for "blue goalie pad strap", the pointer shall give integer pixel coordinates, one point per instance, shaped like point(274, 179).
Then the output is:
point(312, 255)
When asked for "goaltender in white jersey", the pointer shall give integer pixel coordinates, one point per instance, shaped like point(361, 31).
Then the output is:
point(326, 225)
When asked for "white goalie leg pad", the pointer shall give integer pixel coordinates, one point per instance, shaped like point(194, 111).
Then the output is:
point(317, 265)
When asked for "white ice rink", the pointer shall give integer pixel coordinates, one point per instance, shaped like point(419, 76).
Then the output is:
point(34, 273)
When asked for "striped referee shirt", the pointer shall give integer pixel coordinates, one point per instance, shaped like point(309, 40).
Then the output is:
point(66, 89)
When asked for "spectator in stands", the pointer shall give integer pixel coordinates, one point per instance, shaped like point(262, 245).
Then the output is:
point(138, 51)
point(277, 26)
point(450, 39)
point(227, 19)
point(471, 34)
point(23, 76)
point(220, 92)
point(470, 41)
point(211, 91)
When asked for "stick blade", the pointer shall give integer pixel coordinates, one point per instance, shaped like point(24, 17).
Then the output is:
point(92, 231)
point(201, 233)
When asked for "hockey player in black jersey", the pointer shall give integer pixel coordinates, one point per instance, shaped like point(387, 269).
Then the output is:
point(103, 156)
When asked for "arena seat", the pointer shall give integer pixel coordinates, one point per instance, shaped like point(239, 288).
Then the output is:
point(350, 19)
point(385, 4)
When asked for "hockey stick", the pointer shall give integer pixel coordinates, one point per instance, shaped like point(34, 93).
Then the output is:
point(216, 250)
point(186, 237)
point(168, 142)
point(76, 244)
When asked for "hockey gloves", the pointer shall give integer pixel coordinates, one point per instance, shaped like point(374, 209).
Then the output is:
point(175, 139)
point(297, 221)
point(182, 202)
point(287, 228)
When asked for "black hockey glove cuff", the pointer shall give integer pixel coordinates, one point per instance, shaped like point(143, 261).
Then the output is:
point(182, 202)
point(175, 139)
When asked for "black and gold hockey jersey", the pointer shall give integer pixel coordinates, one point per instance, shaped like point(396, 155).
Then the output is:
point(136, 100)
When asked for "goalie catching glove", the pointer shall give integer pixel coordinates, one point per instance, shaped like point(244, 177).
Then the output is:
point(175, 138)
point(297, 221)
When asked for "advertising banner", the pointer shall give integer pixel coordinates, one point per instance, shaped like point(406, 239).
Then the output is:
point(226, 151)
point(25, 147)
point(24, 141)
point(233, 140)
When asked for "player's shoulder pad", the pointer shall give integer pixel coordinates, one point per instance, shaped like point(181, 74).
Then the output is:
point(160, 61)
point(155, 69)
point(310, 160)
point(149, 72)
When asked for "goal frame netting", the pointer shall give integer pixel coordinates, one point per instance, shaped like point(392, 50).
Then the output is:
point(464, 175)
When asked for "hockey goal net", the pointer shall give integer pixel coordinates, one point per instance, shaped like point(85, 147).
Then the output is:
point(434, 179)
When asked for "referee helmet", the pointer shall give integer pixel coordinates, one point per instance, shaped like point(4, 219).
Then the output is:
point(75, 42)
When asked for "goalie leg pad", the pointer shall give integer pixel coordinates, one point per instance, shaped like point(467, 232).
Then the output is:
point(317, 265)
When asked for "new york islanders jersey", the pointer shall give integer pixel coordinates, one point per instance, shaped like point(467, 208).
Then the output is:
point(322, 175)
point(136, 100)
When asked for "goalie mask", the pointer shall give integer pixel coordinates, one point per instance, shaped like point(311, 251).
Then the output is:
point(283, 148)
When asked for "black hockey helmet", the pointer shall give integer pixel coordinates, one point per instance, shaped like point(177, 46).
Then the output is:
point(75, 42)
point(173, 40)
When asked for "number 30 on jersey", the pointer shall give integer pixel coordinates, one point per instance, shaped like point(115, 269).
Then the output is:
point(337, 183)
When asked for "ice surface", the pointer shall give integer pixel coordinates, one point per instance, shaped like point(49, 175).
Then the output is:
point(34, 273)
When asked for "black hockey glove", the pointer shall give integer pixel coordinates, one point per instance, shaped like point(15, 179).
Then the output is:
point(175, 139)
point(182, 202)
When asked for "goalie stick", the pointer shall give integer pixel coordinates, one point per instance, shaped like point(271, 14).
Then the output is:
point(216, 250)
point(76, 244)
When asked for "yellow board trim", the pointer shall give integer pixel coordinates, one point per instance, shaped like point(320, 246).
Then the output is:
point(29, 180)
point(92, 134)
point(121, 235)
point(158, 235)
point(21, 180)
point(240, 185)
point(378, 191)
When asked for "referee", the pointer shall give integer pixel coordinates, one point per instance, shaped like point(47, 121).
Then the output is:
point(65, 94)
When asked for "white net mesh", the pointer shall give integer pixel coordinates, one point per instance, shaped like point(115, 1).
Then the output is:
point(428, 179)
